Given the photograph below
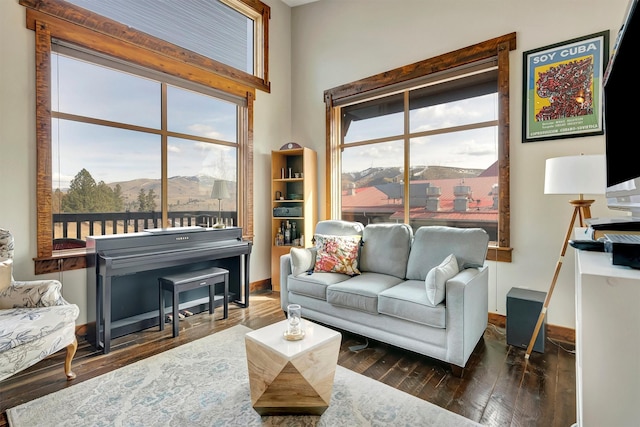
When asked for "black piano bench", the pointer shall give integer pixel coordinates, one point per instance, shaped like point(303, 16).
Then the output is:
point(191, 280)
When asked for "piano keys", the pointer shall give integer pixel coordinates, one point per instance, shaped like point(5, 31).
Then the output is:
point(123, 272)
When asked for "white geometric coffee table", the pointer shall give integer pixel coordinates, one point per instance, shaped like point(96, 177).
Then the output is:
point(292, 377)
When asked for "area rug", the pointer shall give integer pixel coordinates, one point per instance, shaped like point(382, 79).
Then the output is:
point(205, 383)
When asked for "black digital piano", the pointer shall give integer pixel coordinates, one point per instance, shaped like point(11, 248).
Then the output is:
point(123, 272)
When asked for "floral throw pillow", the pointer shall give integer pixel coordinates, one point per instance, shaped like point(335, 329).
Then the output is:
point(337, 254)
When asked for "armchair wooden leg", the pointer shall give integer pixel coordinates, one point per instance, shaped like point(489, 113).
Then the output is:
point(71, 351)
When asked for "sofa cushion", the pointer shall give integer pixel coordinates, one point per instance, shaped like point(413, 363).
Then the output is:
point(386, 249)
point(361, 292)
point(5, 273)
point(337, 227)
point(437, 278)
point(432, 244)
point(22, 325)
point(302, 260)
point(314, 285)
point(408, 301)
point(337, 254)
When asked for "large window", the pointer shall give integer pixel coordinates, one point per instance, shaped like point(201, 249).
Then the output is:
point(426, 147)
point(139, 129)
point(111, 128)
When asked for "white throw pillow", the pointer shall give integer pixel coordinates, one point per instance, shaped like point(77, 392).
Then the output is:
point(5, 273)
point(302, 260)
point(437, 277)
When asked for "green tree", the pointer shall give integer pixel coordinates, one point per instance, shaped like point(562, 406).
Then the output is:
point(103, 198)
point(142, 201)
point(81, 194)
point(118, 199)
point(85, 195)
point(151, 200)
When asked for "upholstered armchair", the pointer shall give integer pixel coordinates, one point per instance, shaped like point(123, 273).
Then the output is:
point(35, 320)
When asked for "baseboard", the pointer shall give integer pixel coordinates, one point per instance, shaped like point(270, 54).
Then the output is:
point(555, 332)
point(260, 286)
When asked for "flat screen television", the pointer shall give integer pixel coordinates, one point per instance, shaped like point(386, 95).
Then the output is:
point(620, 80)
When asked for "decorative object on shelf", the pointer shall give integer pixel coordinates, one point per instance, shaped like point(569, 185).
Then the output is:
point(290, 146)
point(219, 191)
point(570, 175)
point(294, 331)
point(562, 88)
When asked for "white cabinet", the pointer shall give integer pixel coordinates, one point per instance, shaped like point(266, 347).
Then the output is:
point(607, 342)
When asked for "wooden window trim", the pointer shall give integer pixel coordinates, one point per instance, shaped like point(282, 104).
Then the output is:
point(47, 27)
point(497, 48)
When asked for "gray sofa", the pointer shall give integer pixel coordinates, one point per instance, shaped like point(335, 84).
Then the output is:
point(392, 298)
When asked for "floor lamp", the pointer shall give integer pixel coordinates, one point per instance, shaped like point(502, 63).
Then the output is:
point(571, 175)
point(219, 191)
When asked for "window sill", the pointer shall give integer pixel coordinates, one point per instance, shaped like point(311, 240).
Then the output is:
point(70, 259)
point(499, 254)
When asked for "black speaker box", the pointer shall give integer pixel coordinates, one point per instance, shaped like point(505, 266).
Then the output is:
point(523, 310)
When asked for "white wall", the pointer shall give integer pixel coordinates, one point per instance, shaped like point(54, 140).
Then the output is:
point(316, 47)
point(338, 41)
point(272, 128)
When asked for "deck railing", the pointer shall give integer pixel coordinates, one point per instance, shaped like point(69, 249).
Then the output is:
point(70, 227)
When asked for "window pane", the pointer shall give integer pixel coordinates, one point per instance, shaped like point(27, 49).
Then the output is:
point(90, 90)
point(98, 169)
point(209, 28)
point(193, 113)
point(454, 180)
point(464, 100)
point(427, 115)
point(377, 118)
point(193, 167)
point(372, 184)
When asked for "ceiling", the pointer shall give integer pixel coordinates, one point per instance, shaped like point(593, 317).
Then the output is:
point(293, 3)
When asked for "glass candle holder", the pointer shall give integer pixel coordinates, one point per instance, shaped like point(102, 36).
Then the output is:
point(294, 321)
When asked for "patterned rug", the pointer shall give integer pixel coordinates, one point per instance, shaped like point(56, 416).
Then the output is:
point(205, 383)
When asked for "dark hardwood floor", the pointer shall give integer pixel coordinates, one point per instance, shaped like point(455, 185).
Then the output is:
point(499, 387)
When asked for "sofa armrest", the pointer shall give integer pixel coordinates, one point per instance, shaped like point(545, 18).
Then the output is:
point(32, 293)
point(285, 271)
point(467, 301)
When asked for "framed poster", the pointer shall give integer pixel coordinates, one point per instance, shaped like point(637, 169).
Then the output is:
point(562, 89)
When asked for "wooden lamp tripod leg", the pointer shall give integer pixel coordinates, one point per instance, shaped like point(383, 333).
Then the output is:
point(581, 209)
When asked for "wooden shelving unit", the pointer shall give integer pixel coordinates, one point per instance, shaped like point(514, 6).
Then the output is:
point(295, 197)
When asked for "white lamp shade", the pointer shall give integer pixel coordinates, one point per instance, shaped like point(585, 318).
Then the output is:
point(219, 190)
point(584, 174)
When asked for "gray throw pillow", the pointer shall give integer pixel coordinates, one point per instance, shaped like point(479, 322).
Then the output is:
point(437, 277)
point(432, 244)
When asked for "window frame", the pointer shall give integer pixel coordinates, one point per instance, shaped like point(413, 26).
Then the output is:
point(496, 49)
point(56, 19)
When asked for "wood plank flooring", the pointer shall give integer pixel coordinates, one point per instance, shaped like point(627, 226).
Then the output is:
point(499, 388)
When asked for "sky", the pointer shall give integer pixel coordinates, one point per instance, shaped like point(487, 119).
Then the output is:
point(113, 154)
point(476, 149)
